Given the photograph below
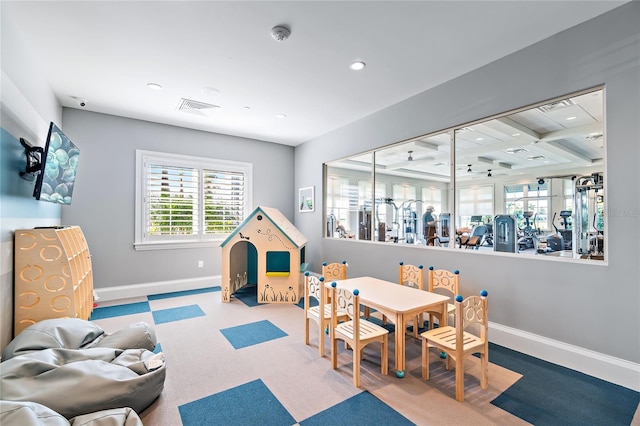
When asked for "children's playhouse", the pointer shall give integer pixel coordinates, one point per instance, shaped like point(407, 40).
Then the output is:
point(268, 251)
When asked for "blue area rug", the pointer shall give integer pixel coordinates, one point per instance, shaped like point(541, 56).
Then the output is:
point(250, 334)
point(249, 404)
point(157, 349)
point(119, 310)
point(183, 293)
point(363, 409)
point(177, 314)
point(549, 394)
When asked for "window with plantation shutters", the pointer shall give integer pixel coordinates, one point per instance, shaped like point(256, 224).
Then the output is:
point(224, 200)
point(184, 201)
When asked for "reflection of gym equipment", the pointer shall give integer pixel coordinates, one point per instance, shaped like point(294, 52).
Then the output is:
point(364, 223)
point(528, 237)
point(331, 225)
point(562, 239)
point(439, 235)
point(444, 223)
point(566, 231)
point(589, 236)
point(409, 222)
point(480, 234)
point(476, 220)
point(405, 227)
point(488, 238)
point(477, 237)
point(504, 233)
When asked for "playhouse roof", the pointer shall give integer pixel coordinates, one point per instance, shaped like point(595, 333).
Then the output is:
point(279, 221)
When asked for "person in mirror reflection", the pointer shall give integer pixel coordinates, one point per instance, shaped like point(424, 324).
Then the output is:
point(429, 221)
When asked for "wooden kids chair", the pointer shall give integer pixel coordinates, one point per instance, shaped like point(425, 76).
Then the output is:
point(447, 282)
point(317, 309)
point(458, 344)
point(412, 276)
point(334, 271)
point(356, 332)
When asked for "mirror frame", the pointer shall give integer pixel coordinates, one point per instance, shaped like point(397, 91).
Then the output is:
point(475, 153)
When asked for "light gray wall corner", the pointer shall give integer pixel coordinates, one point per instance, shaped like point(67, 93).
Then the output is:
point(564, 301)
point(104, 196)
point(27, 105)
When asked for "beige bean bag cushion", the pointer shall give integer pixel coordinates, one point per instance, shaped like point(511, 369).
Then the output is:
point(74, 333)
point(73, 382)
point(14, 413)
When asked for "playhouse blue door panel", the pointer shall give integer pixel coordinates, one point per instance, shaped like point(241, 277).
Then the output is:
point(252, 264)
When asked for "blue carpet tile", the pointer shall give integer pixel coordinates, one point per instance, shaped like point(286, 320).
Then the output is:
point(313, 302)
point(119, 310)
point(177, 314)
point(549, 394)
point(248, 295)
point(235, 407)
point(183, 293)
point(362, 409)
point(250, 334)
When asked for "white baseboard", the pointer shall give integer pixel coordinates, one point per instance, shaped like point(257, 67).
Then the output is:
point(159, 287)
point(605, 367)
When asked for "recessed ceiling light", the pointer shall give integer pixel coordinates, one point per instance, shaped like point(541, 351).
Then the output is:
point(210, 91)
point(573, 117)
point(154, 86)
point(281, 116)
point(479, 139)
point(357, 65)
point(515, 134)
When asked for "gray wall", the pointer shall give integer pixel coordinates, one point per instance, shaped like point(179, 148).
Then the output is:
point(27, 107)
point(589, 305)
point(104, 195)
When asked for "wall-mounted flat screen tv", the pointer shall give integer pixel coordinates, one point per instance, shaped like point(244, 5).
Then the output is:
point(58, 166)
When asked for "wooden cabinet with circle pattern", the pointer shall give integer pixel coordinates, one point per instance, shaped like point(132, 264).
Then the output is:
point(53, 275)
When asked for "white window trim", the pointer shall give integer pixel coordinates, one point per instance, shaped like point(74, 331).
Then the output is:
point(142, 156)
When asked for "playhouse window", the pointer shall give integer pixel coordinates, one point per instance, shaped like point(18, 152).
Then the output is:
point(278, 263)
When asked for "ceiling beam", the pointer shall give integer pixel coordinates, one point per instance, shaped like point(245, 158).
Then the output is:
point(565, 152)
point(585, 129)
point(519, 127)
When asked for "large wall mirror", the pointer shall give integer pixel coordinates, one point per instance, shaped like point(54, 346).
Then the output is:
point(529, 182)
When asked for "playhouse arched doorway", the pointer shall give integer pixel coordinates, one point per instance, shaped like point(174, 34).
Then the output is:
point(244, 262)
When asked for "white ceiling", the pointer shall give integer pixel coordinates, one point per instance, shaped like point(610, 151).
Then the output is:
point(107, 51)
point(553, 139)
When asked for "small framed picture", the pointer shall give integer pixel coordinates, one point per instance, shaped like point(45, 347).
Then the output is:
point(306, 200)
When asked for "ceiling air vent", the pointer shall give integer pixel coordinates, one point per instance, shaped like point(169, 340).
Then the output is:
point(594, 137)
point(556, 105)
point(195, 107)
point(515, 150)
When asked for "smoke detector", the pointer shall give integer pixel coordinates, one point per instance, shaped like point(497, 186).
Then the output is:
point(280, 33)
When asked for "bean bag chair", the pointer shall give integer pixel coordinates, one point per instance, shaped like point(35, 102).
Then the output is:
point(74, 382)
point(14, 413)
point(74, 333)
